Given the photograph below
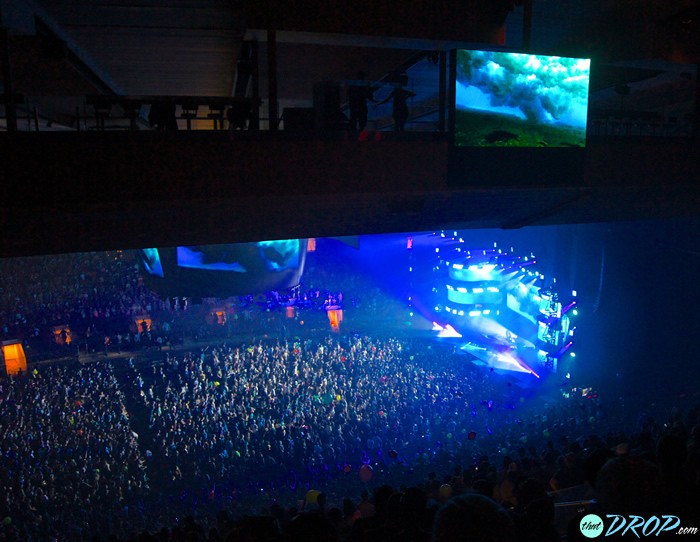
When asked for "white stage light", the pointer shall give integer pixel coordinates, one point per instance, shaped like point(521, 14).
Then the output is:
point(449, 331)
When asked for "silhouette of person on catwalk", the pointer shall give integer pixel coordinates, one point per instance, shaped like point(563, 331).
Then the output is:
point(359, 93)
point(399, 112)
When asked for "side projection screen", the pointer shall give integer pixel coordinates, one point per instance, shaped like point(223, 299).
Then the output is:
point(224, 270)
point(504, 99)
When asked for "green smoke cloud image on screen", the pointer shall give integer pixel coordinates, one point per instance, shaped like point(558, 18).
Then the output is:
point(507, 99)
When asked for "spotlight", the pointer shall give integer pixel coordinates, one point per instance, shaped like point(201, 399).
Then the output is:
point(449, 331)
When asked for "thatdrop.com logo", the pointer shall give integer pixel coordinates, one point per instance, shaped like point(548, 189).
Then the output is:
point(592, 525)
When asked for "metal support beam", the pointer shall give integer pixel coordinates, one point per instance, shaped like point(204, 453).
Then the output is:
point(527, 25)
point(9, 97)
point(442, 99)
point(272, 79)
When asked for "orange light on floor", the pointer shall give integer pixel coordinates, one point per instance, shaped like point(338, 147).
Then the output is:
point(15, 359)
point(217, 316)
point(143, 323)
point(61, 334)
point(290, 311)
point(311, 245)
point(335, 316)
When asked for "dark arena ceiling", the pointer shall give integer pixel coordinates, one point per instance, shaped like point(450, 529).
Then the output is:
point(67, 189)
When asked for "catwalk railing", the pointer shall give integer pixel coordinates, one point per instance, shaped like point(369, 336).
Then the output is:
point(195, 113)
point(211, 113)
point(621, 123)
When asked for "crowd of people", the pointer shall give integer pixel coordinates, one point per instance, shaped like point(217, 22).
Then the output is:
point(70, 455)
point(91, 296)
point(289, 427)
point(345, 436)
point(68, 304)
point(314, 408)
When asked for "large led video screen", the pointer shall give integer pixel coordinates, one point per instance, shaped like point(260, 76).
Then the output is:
point(505, 99)
point(224, 269)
